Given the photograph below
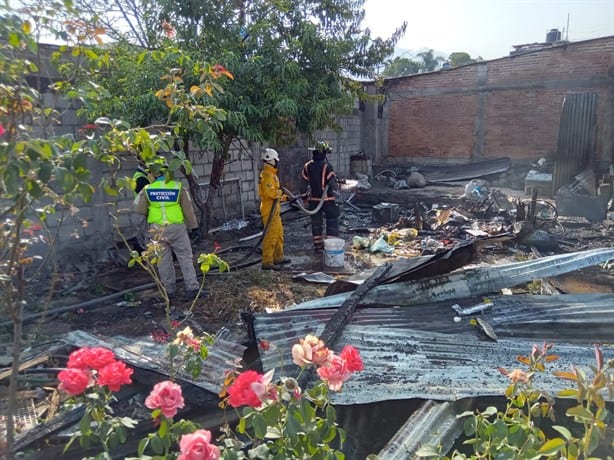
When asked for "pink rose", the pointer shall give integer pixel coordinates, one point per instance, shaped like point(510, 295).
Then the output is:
point(194, 344)
point(2, 131)
point(335, 373)
point(74, 381)
point(352, 358)
point(310, 350)
point(114, 375)
point(197, 446)
point(167, 397)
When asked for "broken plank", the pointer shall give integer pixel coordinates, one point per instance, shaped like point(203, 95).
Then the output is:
point(26, 365)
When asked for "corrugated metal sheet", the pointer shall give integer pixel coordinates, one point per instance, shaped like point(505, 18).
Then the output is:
point(150, 355)
point(459, 172)
point(403, 363)
point(471, 281)
point(578, 318)
point(434, 424)
point(576, 139)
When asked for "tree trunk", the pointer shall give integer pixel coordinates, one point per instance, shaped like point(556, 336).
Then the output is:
point(17, 315)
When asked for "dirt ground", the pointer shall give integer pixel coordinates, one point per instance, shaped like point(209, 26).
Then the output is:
point(114, 300)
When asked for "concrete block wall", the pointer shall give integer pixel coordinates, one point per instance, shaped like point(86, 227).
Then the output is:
point(504, 107)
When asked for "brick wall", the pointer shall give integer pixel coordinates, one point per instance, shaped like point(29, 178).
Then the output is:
point(504, 107)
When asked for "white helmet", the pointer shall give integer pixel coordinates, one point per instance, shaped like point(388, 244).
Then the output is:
point(269, 155)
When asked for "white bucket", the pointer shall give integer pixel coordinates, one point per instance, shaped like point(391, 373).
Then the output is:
point(334, 253)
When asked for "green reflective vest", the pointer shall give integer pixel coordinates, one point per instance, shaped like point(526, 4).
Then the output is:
point(164, 206)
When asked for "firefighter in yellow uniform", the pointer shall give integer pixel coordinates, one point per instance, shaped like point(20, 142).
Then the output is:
point(271, 196)
point(170, 213)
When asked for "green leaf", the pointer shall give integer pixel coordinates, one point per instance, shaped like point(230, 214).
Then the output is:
point(11, 179)
point(84, 425)
point(581, 413)
point(552, 446)
point(427, 451)
point(64, 179)
point(568, 392)
point(242, 425)
point(156, 445)
point(110, 190)
point(44, 172)
point(293, 427)
point(470, 426)
point(14, 40)
point(143, 443)
point(563, 431)
point(490, 410)
point(260, 427)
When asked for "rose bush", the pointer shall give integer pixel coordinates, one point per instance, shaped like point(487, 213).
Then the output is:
point(277, 418)
point(96, 369)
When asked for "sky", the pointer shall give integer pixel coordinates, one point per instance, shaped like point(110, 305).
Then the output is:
point(486, 28)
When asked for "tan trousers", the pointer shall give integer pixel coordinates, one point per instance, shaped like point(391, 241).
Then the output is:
point(174, 239)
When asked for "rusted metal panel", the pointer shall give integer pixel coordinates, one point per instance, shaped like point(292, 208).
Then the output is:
point(576, 138)
point(471, 281)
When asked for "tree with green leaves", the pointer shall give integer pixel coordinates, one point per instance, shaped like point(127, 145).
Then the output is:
point(430, 62)
point(295, 63)
point(459, 58)
point(42, 173)
point(400, 67)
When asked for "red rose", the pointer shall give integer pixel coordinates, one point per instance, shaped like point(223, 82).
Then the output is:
point(98, 357)
point(114, 375)
point(78, 359)
point(74, 381)
point(352, 358)
point(241, 392)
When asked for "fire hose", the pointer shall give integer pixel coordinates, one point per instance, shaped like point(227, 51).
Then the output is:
point(299, 203)
point(293, 198)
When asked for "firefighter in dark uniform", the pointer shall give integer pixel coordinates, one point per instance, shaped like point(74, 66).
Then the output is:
point(317, 174)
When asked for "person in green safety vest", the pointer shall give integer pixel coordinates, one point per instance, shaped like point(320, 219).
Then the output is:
point(170, 213)
point(141, 178)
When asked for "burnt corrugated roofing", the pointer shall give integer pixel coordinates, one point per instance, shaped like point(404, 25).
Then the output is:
point(150, 355)
point(471, 281)
point(404, 363)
